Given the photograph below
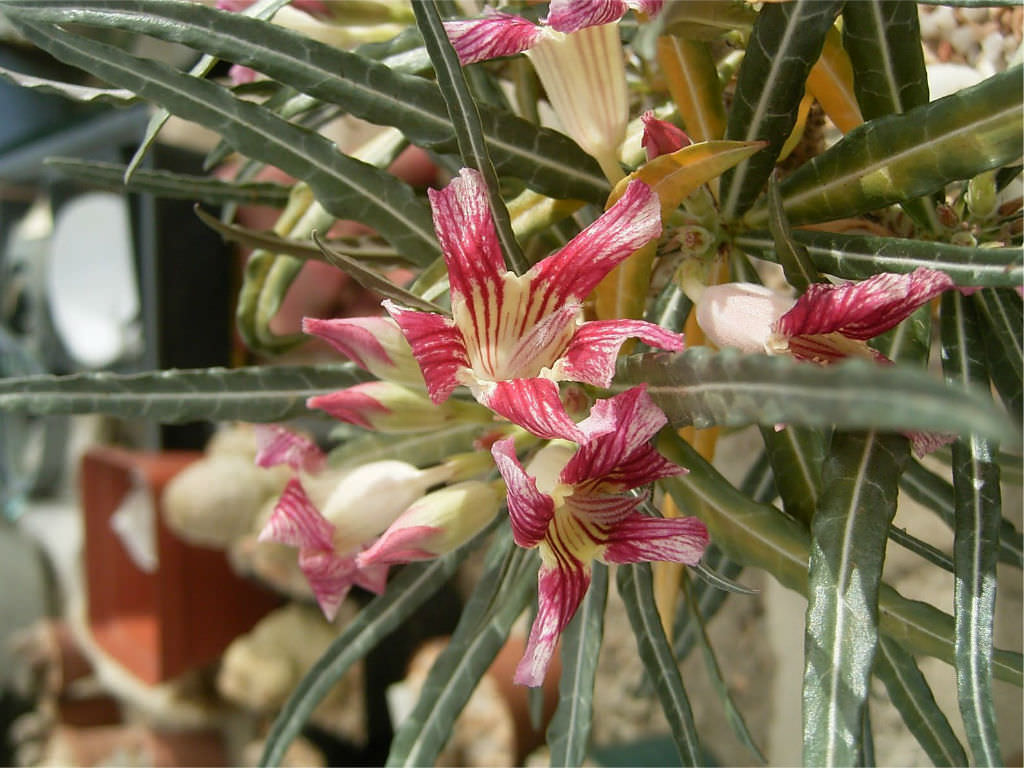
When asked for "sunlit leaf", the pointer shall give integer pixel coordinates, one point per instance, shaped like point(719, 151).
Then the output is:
point(899, 157)
point(119, 97)
point(786, 41)
point(977, 502)
point(761, 536)
point(848, 538)
point(703, 388)
point(831, 82)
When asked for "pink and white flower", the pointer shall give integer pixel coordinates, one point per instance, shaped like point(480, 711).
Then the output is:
point(829, 322)
point(574, 505)
point(578, 57)
point(330, 518)
point(510, 338)
point(826, 324)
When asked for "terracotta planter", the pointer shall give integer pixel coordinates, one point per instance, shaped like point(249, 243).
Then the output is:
point(181, 615)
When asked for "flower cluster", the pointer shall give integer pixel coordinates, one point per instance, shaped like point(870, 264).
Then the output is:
point(510, 339)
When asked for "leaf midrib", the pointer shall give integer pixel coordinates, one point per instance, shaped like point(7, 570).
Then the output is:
point(826, 188)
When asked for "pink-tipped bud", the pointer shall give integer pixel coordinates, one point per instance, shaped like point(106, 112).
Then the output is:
point(661, 137)
point(436, 524)
point(373, 343)
point(394, 409)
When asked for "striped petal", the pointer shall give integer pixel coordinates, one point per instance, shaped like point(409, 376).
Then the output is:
point(530, 511)
point(277, 445)
point(330, 577)
point(544, 343)
point(571, 273)
point(297, 522)
point(591, 354)
point(354, 405)
point(437, 345)
point(642, 539)
point(571, 15)
point(462, 221)
point(621, 458)
point(534, 405)
point(375, 344)
point(864, 309)
point(560, 592)
point(491, 36)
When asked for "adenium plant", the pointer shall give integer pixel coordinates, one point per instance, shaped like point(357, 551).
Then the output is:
point(655, 223)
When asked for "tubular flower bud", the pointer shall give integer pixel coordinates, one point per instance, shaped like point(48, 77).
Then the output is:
point(393, 409)
point(436, 524)
point(332, 522)
point(375, 344)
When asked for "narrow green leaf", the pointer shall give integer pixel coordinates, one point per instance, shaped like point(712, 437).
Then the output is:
point(976, 533)
point(702, 388)
point(569, 730)
point(913, 698)
point(761, 536)
point(848, 536)
point(797, 454)
point(347, 188)
point(796, 264)
point(361, 249)
point(181, 186)
point(413, 586)
point(921, 548)
point(465, 117)
point(1003, 317)
point(508, 582)
point(936, 493)
point(118, 97)
point(889, 75)
point(263, 393)
point(786, 41)
point(637, 590)
point(262, 9)
point(545, 160)
point(419, 448)
point(856, 257)
point(899, 157)
point(707, 599)
point(732, 712)
point(374, 281)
